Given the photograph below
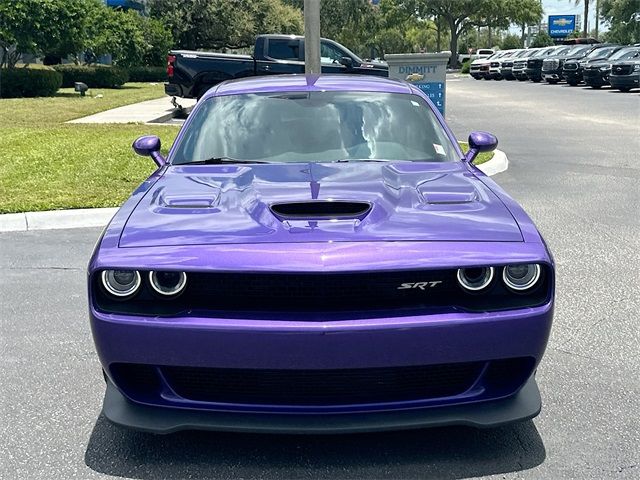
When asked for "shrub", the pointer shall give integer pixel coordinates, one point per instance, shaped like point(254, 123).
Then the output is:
point(466, 65)
point(94, 76)
point(147, 74)
point(26, 82)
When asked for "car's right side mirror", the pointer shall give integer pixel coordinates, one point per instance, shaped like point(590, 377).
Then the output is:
point(346, 61)
point(480, 142)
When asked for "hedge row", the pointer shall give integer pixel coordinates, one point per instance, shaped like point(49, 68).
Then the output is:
point(26, 82)
point(94, 77)
point(147, 74)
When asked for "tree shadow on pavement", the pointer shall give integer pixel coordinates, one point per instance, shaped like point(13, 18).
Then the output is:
point(443, 453)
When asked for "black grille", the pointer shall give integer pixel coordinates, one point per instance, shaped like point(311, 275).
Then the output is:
point(622, 69)
point(322, 387)
point(571, 66)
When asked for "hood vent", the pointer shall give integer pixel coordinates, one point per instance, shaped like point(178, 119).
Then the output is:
point(321, 210)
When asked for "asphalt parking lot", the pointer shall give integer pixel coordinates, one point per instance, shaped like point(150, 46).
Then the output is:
point(573, 166)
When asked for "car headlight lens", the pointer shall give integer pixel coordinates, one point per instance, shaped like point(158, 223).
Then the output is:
point(168, 283)
point(605, 67)
point(636, 68)
point(476, 278)
point(521, 277)
point(121, 283)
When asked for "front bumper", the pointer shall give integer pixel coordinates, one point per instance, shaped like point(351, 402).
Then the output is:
point(552, 75)
point(596, 77)
point(625, 81)
point(224, 343)
point(524, 405)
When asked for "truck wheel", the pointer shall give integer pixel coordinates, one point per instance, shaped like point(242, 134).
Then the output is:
point(536, 80)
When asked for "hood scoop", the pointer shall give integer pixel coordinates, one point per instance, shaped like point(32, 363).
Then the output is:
point(321, 210)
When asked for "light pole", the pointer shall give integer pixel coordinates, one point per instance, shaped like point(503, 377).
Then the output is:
point(312, 36)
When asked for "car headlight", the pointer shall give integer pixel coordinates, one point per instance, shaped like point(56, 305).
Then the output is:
point(121, 283)
point(605, 68)
point(521, 277)
point(168, 284)
point(636, 68)
point(475, 278)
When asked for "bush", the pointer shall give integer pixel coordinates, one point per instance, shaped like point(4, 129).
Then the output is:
point(466, 66)
point(147, 74)
point(94, 76)
point(26, 82)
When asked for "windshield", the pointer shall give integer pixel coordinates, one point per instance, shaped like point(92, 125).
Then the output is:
point(561, 51)
point(625, 54)
point(295, 127)
point(576, 50)
point(601, 52)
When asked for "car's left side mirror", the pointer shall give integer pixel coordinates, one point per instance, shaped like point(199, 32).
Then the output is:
point(346, 61)
point(480, 142)
point(149, 146)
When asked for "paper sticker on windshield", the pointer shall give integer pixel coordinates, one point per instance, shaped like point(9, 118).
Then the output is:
point(439, 149)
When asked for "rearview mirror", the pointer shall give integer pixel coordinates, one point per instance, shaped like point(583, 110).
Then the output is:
point(346, 61)
point(480, 142)
point(149, 146)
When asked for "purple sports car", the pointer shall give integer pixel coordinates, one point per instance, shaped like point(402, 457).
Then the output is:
point(316, 254)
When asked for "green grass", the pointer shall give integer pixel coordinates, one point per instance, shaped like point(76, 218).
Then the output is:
point(46, 164)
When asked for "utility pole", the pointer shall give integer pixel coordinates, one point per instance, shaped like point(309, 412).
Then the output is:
point(312, 37)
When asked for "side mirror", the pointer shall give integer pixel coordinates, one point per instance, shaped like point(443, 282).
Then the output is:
point(480, 142)
point(149, 146)
point(346, 61)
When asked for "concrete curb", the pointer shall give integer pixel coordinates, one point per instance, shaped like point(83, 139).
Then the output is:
point(56, 219)
point(498, 164)
point(99, 217)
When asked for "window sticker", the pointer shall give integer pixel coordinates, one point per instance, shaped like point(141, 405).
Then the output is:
point(439, 149)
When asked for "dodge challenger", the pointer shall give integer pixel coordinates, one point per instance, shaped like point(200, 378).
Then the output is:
point(316, 254)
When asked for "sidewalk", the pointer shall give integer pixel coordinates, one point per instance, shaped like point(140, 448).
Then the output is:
point(157, 110)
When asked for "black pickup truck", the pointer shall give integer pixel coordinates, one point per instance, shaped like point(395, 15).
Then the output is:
point(191, 74)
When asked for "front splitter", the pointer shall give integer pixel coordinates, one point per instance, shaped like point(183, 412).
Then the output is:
point(525, 405)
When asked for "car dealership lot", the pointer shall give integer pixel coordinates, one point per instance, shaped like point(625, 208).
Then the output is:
point(573, 167)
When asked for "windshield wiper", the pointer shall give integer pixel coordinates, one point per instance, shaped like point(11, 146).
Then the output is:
point(218, 160)
point(347, 160)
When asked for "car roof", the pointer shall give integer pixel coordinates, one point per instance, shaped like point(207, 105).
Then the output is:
point(299, 82)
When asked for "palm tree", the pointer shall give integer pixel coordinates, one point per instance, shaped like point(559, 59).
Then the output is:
point(585, 31)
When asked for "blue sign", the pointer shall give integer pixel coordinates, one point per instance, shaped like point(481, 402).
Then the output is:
point(435, 92)
point(561, 26)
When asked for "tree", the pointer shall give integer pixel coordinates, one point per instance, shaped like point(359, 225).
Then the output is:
point(511, 41)
point(585, 30)
point(220, 24)
point(542, 39)
point(523, 13)
point(55, 27)
point(623, 18)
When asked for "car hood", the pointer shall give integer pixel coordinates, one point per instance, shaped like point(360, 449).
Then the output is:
point(261, 203)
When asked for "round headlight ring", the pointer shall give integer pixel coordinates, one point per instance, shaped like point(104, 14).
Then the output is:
point(164, 290)
point(484, 279)
point(526, 282)
point(117, 288)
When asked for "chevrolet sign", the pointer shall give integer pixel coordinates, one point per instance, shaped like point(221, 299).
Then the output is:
point(561, 26)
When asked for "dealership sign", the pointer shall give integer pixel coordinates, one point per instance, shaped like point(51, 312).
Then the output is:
point(561, 26)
